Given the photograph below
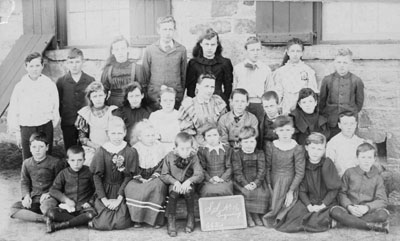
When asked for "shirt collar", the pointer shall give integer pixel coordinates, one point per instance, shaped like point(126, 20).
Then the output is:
point(346, 76)
point(374, 171)
point(220, 146)
point(163, 45)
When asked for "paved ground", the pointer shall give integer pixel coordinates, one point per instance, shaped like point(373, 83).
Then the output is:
point(11, 229)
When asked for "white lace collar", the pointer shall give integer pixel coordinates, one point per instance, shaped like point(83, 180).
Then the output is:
point(220, 146)
point(285, 147)
point(149, 156)
point(111, 148)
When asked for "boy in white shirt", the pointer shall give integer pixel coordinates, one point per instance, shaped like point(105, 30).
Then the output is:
point(253, 76)
point(341, 149)
point(33, 105)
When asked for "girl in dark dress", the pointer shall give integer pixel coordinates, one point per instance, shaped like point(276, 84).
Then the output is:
point(113, 165)
point(317, 193)
point(119, 72)
point(306, 117)
point(285, 169)
point(207, 58)
point(249, 174)
point(215, 158)
point(134, 109)
point(145, 193)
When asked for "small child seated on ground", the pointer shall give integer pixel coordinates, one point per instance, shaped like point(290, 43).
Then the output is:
point(249, 172)
point(317, 191)
point(230, 123)
point(215, 158)
point(37, 175)
point(74, 189)
point(363, 197)
point(181, 170)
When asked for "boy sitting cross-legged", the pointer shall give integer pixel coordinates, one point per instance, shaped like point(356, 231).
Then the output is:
point(37, 176)
point(73, 188)
point(363, 197)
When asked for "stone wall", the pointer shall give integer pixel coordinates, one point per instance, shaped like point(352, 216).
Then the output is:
point(377, 64)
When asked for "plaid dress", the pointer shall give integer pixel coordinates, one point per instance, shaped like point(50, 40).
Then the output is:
point(251, 168)
point(216, 162)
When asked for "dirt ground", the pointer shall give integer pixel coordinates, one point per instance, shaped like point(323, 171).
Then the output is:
point(11, 229)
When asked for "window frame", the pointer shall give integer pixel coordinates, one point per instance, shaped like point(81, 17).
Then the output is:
point(62, 27)
point(281, 38)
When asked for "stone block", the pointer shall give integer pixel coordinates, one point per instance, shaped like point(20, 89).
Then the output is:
point(224, 8)
point(220, 26)
point(393, 144)
point(380, 118)
point(382, 96)
point(249, 3)
point(243, 26)
point(182, 9)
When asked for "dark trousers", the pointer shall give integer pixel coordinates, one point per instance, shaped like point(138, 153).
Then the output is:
point(70, 136)
point(27, 131)
point(77, 218)
point(341, 215)
point(173, 200)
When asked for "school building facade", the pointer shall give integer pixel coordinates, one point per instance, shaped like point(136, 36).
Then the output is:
point(371, 29)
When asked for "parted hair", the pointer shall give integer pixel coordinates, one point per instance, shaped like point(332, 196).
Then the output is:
point(75, 53)
point(208, 34)
point(251, 40)
point(247, 132)
point(33, 56)
point(270, 95)
point(38, 136)
point(282, 120)
point(166, 19)
point(93, 87)
point(344, 52)
point(316, 138)
point(364, 147)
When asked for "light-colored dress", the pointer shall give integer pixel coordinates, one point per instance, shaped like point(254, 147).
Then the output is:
point(146, 201)
point(167, 126)
point(289, 80)
point(94, 127)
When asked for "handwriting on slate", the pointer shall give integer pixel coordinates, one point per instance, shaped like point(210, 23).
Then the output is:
point(223, 210)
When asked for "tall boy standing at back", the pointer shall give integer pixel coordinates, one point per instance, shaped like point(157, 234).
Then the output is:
point(341, 91)
point(33, 105)
point(164, 63)
point(71, 91)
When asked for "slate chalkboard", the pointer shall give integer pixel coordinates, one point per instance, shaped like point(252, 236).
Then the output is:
point(221, 213)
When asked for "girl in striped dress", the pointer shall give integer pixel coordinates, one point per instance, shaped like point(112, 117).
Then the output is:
point(145, 193)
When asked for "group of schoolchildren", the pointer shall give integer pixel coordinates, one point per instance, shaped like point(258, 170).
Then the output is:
point(141, 143)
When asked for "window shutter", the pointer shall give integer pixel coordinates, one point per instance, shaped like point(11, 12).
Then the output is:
point(277, 22)
point(144, 15)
